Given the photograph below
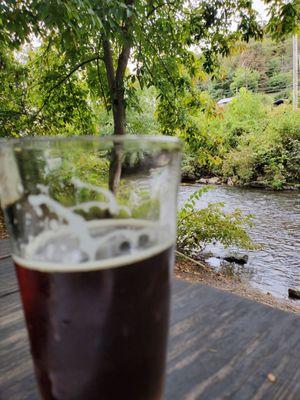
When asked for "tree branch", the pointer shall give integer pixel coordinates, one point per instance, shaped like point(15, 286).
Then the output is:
point(190, 259)
point(152, 76)
point(101, 85)
point(164, 66)
point(122, 64)
point(62, 80)
point(109, 65)
point(125, 53)
point(116, 79)
point(154, 8)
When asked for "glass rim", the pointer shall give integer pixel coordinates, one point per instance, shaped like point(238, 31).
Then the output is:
point(29, 140)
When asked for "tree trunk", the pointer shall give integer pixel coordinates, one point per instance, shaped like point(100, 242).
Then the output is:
point(119, 112)
point(115, 168)
point(119, 115)
point(116, 87)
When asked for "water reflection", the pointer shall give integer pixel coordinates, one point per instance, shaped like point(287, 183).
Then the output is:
point(275, 267)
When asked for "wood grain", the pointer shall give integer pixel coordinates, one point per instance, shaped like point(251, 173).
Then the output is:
point(8, 283)
point(224, 347)
point(16, 369)
point(221, 346)
point(4, 249)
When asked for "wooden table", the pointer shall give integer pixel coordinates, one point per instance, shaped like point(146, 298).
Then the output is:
point(221, 346)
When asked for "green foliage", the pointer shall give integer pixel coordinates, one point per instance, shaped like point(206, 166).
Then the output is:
point(141, 119)
point(189, 167)
point(270, 151)
point(248, 140)
point(92, 42)
point(146, 209)
point(198, 227)
point(243, 116)
point(32, 104)
point(91, 167)
point(273, 66)
point(285, 17)
point(280, 81)
point(245, 77)
point(263, 66)
point(219, 87)
point(13, 96)
point(280, 153)
point(218, 132)
point(81, 66)
point(67, 86)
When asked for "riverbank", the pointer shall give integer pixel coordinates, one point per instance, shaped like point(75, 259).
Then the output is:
point(274, 267)
point(192, 272)
point(258, 184)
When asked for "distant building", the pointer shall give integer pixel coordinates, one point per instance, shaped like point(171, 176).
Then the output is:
point(224, 101)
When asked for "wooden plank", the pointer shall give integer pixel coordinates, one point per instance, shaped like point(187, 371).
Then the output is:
point(4, 248)
point(221, 347)
point(179, 285)
point(16, 369)
point(8, 283)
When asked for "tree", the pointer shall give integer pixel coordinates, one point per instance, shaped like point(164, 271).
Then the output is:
point(280, 81)
point(268, 57)
point(25, 107)
point(284, 17)
point(13, 105)
point(245, 77)
point(101, 36)
point(69, 108)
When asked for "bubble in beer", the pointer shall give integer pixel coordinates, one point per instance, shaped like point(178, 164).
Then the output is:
point(125, 246)
point(144, 240)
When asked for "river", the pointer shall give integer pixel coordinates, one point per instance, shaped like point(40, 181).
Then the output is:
point(276, 266)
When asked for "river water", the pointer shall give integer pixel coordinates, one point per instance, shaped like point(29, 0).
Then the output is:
point(276, 266)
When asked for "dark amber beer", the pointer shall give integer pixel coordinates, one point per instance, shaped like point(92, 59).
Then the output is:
point(92, 223)
point(100, 333)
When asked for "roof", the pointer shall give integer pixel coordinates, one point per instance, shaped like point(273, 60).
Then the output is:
point(226, 100)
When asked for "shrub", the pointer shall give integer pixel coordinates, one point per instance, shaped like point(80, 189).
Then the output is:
point(246, 78)
point(260, 142)
point(280, 81)
point(196, 228)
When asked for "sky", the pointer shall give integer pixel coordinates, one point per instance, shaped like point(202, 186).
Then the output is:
point(260, 7)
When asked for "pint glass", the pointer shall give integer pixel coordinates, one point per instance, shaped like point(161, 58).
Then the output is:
point(92, 223)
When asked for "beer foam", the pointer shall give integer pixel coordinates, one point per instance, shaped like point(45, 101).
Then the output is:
point(111, 203)
point(75, 222)
point(70, 243)
point(115, 242)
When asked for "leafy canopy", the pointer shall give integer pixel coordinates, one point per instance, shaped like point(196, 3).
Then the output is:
point(99, 37)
